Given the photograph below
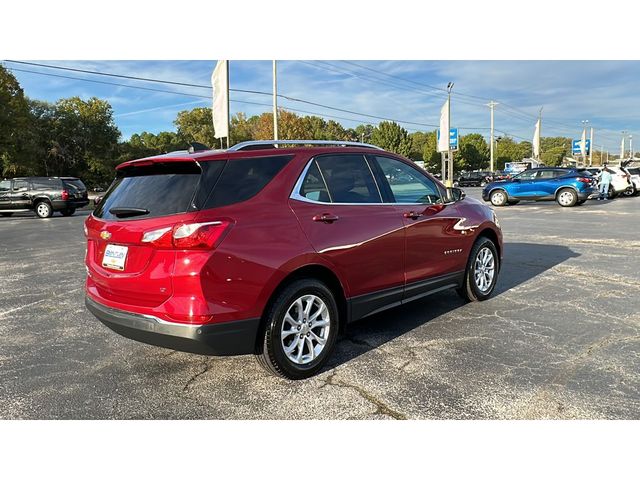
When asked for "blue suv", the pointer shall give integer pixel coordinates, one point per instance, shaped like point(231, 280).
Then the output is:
point(567, 186)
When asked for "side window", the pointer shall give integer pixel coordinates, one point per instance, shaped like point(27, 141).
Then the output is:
point(547, 174)
point(407, 184)
point(243, 178)
point(313, 186)
point(5, 185)
point(349, 179)
point(527, 175)
point(20, 186)
point(46, 184)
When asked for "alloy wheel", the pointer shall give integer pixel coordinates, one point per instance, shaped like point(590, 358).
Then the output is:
point(484, 269)
point(305, 329)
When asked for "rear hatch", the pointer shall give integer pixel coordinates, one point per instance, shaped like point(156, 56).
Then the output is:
point(124, 265)
point(76, 189)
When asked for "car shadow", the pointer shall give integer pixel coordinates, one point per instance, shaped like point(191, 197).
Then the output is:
point(522, 262)
point(34, 217)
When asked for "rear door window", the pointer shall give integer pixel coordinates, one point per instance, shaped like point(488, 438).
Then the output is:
point(46, 184)
point(162, 189)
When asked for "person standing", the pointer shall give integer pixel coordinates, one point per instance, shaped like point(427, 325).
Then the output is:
point(605, 181)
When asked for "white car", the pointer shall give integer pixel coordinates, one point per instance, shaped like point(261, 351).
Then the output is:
point(634, 174)
point(620, 180)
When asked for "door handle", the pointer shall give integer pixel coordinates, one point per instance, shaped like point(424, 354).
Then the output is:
point(325, 217)
point(412, 215)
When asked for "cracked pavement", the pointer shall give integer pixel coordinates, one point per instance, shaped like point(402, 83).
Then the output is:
point(560, 339)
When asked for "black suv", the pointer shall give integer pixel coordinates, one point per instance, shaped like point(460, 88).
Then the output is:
point(474, 179)
point(44, 195)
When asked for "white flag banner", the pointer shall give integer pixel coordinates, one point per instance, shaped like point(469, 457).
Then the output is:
point(622, 149)
point(220, 99)
point(536, 141)
point(583, 143)
point(443, 141)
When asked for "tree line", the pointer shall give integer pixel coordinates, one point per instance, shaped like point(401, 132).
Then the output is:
point(80, 138)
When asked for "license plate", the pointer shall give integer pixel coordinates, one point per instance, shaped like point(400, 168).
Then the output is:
point(114, 257)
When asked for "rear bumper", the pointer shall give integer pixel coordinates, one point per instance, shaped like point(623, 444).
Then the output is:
point(64, 204)
point(229, 338)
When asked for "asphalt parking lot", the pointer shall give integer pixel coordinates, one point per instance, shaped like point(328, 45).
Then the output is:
point(560, 338)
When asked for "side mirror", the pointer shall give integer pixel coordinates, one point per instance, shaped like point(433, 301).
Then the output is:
point(457, 194)
point(97, 200)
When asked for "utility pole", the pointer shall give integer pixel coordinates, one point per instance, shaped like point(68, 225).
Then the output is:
point(584, 142)
point(491, 105)
point(449, 183)
point(275, 101)
point(591, 147)
point(624, 133)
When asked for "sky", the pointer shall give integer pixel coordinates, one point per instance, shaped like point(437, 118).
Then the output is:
point(607, 93)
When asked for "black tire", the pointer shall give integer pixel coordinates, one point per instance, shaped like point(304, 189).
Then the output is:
point(630, 192)
point(567, 197)
point(498, 198)
point(6, 214)
point(270, 349)
point(470, 290)
point(43, 210)
point(67, 212)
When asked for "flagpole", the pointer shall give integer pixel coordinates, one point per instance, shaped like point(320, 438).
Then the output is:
point(275, 101)
point(449, 183)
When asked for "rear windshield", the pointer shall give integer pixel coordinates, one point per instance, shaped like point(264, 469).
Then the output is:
point(161, 188)
point(75, 183)
point(634, 171)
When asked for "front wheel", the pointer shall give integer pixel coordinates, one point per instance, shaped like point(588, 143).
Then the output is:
point(498, 198)
point(301, 330)
point(567, 197)
point(481, 274)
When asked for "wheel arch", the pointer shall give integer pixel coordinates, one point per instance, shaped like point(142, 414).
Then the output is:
point(314, 271)
point(493, 236)
point(559, 189)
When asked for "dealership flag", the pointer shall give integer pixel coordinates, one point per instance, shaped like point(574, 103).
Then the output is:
point(583, 143)
point(443, 141)
point(622, 149)
point(220, 84)
point(536, 141)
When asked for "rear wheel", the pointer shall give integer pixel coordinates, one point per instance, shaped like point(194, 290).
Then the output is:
point(6, 214)
point(481, 274)
point(301, 330)
point(498, 198)
point(630, 192)
point(567, 197)
point(67, 212)
point(43, 210)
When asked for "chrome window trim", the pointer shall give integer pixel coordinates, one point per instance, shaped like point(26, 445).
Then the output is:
point(295, 194)
point(272, 143)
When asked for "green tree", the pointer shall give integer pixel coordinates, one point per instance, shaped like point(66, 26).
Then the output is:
point(392, 137)
point(473, 153)
point(432, 158)
point(15, 139)
point(196, 125)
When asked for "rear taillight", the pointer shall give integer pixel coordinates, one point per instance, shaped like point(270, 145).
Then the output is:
point(65, 195)
point(204, 236)
point(584, 180)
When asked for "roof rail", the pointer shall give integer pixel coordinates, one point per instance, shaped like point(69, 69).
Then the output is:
point(258, 144)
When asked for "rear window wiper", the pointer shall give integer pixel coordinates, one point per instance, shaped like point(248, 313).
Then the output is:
point(124, 212)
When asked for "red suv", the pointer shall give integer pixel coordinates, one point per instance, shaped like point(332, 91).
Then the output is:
point(273, 251)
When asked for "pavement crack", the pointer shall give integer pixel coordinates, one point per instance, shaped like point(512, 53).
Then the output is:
point(206, 365)
point(381, 407)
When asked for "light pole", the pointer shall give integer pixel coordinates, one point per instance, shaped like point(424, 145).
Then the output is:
point(631, 146)
point(449, 183)
point(491, 105)
point(584, 141)
point(275, 101)
point(624, 133)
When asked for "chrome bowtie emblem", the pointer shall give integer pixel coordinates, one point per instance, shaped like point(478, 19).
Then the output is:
point(105, 235)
